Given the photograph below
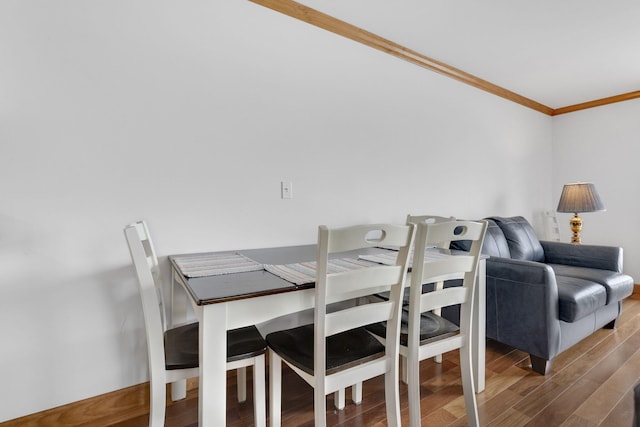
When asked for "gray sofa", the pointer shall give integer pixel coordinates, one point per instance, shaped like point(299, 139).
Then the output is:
point(543, 297)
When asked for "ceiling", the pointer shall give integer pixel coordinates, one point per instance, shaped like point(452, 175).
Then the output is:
point(555, 52)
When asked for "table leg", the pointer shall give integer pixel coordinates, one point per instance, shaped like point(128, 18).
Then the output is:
point(479, 326)
point(212, 399)
point(177, 315)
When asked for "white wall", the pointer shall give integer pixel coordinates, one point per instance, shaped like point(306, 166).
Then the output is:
point(602, 145)
point(189, 114)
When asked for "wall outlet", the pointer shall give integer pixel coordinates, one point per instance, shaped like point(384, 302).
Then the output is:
point(286, 188)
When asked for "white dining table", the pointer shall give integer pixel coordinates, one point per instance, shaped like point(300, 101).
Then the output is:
point(229, 301)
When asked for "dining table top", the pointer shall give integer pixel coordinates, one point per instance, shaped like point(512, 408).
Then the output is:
point(212, 289)
point(219, 288)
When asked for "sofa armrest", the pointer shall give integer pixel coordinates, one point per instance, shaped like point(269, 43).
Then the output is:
point(522, 306)
point(590, 256)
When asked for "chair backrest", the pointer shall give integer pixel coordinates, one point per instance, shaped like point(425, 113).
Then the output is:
point(148, 253)
point(439, 268)
point(335, 287)
point(551, 227)
point(431, 219)
point(145, 264)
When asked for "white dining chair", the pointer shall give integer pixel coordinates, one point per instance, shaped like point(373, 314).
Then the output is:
point(428, 219)
point(425, 334)
point(336, 351)
point(173, 352)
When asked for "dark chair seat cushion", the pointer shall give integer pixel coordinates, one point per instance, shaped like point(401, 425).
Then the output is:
point(243, 343)
point(432, 328)
point(617, 285)
point(579, 297)
point(344, 350)
point(181, 345)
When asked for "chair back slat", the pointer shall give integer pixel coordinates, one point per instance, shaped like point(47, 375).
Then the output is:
point(428, 219)
point(454, 230)
point(366, 236)
point(355, 283)
point(358, 316)
point(443, 298)
point(447, 268)
point(431, 219)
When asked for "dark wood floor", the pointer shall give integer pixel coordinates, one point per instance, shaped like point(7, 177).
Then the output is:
point(590, 385)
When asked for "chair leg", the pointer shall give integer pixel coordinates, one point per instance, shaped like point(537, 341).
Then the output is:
point(320, 405)
point(241, 375)
point(356, 393)
point(275, 388)
point(259, 392)
point(392, 397)
point(468, 387)
point(339, 399)
point(413, 389)
point(157, 403)
point(178, 390)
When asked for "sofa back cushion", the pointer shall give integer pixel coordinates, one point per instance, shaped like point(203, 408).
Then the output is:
point(495, 243)
point(522, 239)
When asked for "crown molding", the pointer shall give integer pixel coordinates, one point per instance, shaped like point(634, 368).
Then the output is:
point(342, 28)
point(597, 103)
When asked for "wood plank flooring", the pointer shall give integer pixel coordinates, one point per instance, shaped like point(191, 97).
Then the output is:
point(590, 385)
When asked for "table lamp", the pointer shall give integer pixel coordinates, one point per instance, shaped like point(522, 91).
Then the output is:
point(579, 197)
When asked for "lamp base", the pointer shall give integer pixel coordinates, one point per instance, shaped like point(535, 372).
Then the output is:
point(576, 227)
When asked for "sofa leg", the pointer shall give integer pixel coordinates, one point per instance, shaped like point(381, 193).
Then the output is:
point(612, 324)
point(540, 365)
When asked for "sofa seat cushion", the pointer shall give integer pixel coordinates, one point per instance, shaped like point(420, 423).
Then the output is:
point(579, 297)
point(617, 285)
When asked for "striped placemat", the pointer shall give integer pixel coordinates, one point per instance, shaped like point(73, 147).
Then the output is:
point(390, 257)
point(382, 258)
point(215, 264)
point(305, 272)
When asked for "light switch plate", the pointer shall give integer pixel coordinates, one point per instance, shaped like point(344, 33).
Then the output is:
point(286, 189)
